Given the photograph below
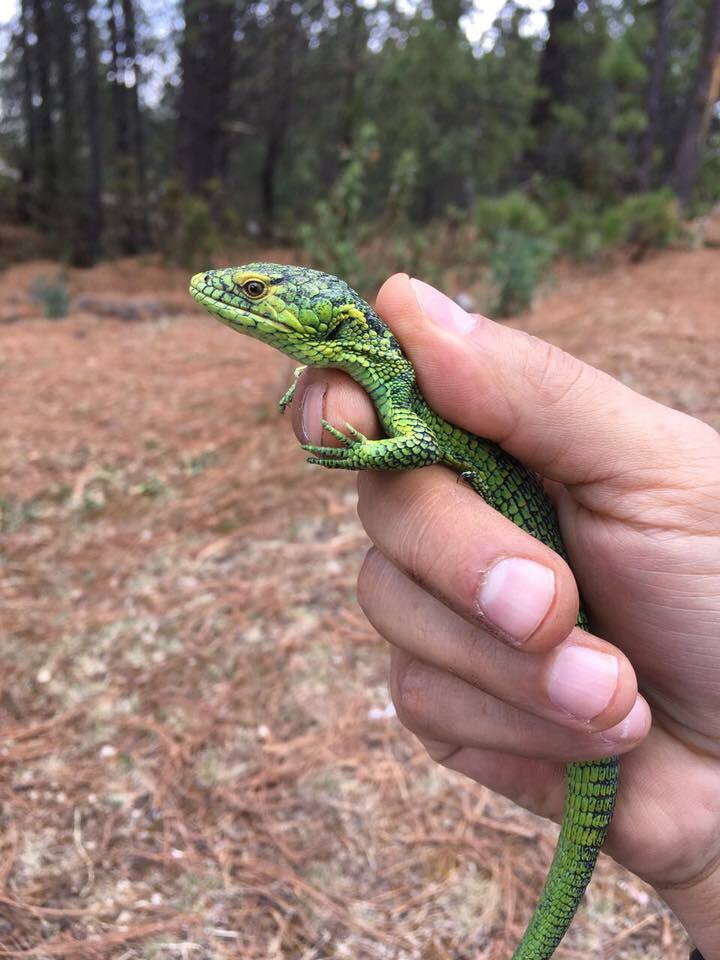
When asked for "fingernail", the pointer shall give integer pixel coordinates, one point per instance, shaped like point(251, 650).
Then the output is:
point(311, 412)
point(582, 681)
point(631, 728)
point(515, 596)
point(441, 309)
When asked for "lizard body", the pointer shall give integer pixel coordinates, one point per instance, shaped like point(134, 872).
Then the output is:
point(320, 321)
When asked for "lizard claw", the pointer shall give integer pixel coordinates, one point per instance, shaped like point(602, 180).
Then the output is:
point(348, 440)
point(333, 452)
point(355, 434)
point(337, 434)
point(336, 456)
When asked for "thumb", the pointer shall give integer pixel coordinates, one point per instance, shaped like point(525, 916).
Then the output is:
point(559, 416)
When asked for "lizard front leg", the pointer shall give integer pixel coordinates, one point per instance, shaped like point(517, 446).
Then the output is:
point(286, 399)
point(414, 445)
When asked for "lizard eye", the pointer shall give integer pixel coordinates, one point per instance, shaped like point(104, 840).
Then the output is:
point(254, 288)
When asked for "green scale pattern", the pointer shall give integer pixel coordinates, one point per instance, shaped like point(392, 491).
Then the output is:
point(320, 321)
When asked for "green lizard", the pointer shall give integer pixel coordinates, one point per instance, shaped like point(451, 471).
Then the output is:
point(320, 321)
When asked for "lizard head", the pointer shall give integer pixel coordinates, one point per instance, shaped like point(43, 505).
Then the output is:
point(294, 309)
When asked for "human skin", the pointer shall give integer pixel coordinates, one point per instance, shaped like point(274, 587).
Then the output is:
point(487, 668)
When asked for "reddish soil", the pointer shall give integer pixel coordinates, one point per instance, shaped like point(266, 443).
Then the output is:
point(197, 755)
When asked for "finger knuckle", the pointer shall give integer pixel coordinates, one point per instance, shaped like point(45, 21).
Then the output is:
point(554, 374)
point(367, 580)
point(414, 534)
point(442, 753)
point(479, 659)
point(422, 550)
point(411, 690)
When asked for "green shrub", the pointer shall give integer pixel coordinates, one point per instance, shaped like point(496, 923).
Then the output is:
point(513, 211)
point(53, 294)
point(645, 220)
point(332, 236)
point(188, 232)
point(514, 233)
point(517, 265)
point(707, 189)
point(580, 236)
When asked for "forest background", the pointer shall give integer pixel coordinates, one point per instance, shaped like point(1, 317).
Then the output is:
point(328, 125)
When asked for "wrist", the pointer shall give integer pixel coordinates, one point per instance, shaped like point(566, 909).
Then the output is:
point(697, 907)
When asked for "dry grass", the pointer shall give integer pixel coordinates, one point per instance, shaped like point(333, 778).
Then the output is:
point(197, 756)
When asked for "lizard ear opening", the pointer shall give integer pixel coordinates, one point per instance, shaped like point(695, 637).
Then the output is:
point(334, 332)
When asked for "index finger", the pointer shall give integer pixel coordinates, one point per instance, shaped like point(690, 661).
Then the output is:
point(484, 567)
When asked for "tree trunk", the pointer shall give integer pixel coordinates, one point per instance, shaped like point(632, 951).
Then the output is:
point(117, 88)
point(553, 78)
point(28, 169)
point(93, 214)
point(124, 179)
point(138, 139)
point(653, 102)
point(273, 151)
point(70, 184)
point(47, 160)
point(188, 108)
point(356, 45)
point(279, 119)
point(703, 96)
point(206, 60)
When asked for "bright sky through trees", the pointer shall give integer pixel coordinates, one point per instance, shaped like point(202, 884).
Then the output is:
point(475, 24)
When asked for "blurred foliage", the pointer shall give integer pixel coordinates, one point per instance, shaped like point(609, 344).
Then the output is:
point(53, 294)
point(646, 220)
point(337, 228)
point(514, 211)
point(517, 265)
point(707, 189)
point(580, 236)
point(187, 231)
point(363, 133)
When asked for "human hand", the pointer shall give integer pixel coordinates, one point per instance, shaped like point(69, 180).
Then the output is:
point(487, 668)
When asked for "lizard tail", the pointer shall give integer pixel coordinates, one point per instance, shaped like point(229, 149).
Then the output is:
point(590, 800)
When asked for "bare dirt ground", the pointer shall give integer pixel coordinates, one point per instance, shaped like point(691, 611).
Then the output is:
point(198, 757)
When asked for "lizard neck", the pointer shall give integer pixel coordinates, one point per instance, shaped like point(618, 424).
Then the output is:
point(378, 366)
